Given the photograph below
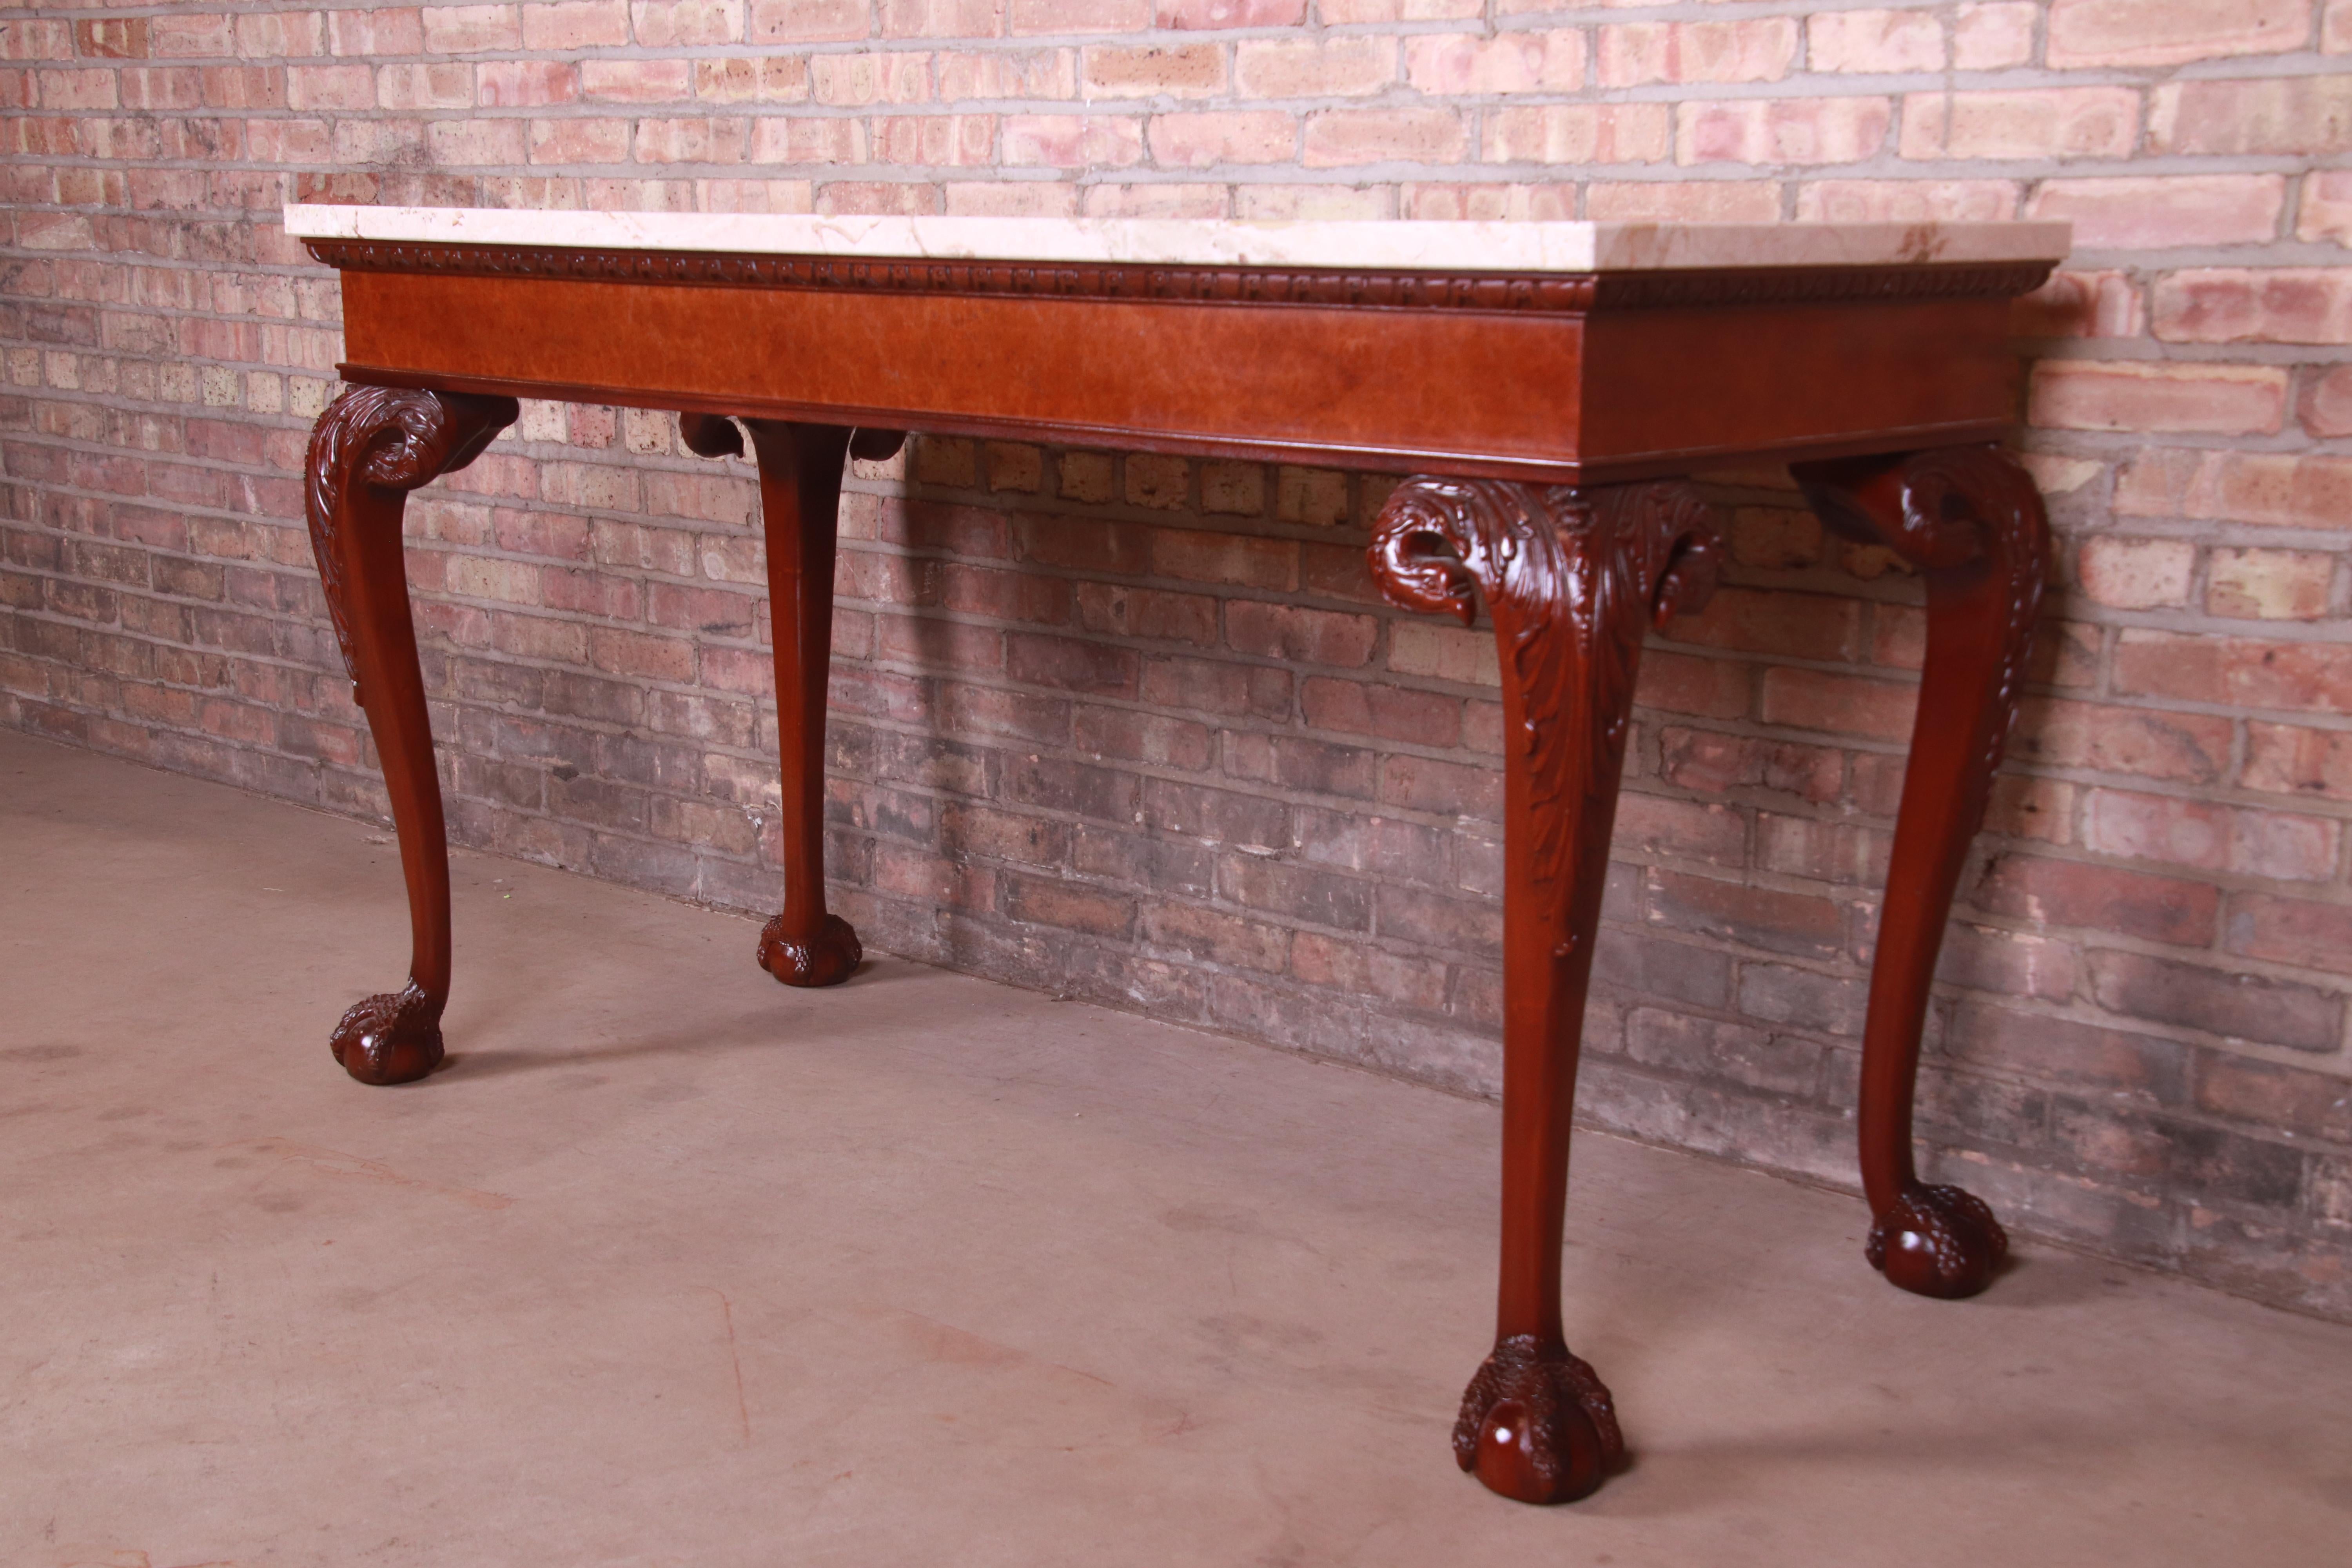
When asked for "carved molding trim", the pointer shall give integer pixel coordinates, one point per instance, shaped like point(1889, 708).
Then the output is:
point(1573, 577)
point(1539, 293)
point(395, 438)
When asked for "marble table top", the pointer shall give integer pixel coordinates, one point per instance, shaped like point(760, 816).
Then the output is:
point(1518, 247)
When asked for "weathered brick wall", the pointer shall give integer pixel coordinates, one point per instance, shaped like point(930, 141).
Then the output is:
point(1136, 729)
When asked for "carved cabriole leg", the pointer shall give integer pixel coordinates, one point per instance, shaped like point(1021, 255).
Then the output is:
point(370, 448)
point(800, 504)
point(1971, 521)
point(1571, 579)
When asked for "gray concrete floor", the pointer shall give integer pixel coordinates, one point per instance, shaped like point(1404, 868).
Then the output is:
point(676, 1266)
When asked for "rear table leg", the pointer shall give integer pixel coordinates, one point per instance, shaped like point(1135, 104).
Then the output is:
point(1972, 523)
point(799, 506)
point(1572, 578)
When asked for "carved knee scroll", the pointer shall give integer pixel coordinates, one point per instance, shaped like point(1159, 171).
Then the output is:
point(1969, 519)
point(1572, 578)
point(372, 445)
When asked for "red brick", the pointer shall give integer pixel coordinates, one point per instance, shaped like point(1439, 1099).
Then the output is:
point(1204, 140)
point(2239, 671)
point(1299, 635)
point(1799, 924)
point(2236, 304)
point(1875, 41)
point(1343, 65)
point(2269, 584)
point(2051, 122)
point(2236, 1007)
point(1340, 137)
point(2287, 759)
point(1753, 49)
point(1795, 625)
point(1215, 15)
point(2128, 574)
point(2149, 212)
point(2299, 116)
point(1079, 15)
point(2278, 488)
point(2326, 404)
point(1780, 130)
point(2188, 747)
point(2170, 32)
point(1905, 200)
point(2099, 898)
point(1579, 133)
point(465, 29)
point(1456, 64)
point(2326, 206)
point(2135, 396)
point(1815, 699)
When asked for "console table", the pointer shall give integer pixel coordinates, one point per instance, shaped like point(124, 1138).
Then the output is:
point(1546, 387)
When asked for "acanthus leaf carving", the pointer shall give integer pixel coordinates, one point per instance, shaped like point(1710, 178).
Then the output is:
point(1571, 577)
point(397, 439)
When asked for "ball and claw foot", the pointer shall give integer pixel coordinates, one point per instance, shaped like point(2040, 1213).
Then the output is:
point(826, 959)
point(390, 1038)
point(1536, 1424)
point(1937, 1241)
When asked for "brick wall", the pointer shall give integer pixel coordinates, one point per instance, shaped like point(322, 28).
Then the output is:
point(1135, 729)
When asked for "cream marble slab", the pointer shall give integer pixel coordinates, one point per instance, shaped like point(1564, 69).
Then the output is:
point(1404, 247)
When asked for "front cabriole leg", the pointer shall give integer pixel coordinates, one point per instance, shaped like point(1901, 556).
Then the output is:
point(1970, 518)
point(370, 448)
point(1571, 579)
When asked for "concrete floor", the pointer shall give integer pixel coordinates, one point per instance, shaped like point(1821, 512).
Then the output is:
point(673, 1266)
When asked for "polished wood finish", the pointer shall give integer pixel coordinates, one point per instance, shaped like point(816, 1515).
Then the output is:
point(1970, 520)
point(1571, 579)
point(1547, 422)
point(370, 447)
point(800, 506)
point(1559, 395)
point(800, 509)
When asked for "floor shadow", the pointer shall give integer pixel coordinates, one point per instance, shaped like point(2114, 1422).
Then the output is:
point(747, 1031)
point(1681, 1478)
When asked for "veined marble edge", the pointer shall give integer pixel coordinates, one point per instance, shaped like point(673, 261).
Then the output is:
point(1404, 246)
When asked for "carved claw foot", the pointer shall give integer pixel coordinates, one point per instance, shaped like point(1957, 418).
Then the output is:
point(826, 959)
point(1536, 1424)
point(392, 1038)
point(1937, 1241)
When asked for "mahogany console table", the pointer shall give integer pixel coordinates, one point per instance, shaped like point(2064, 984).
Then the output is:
point(1544, 385)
